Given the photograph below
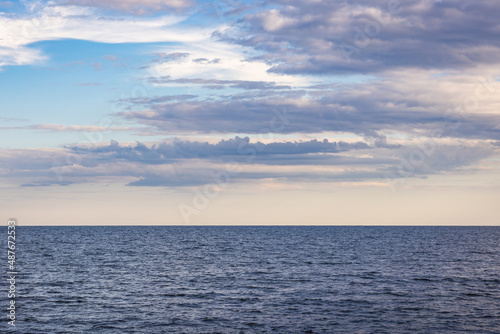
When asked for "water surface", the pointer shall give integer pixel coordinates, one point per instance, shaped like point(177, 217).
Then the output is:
point(258, 280)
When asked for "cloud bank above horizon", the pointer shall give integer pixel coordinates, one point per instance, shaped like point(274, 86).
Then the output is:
point(169, 93)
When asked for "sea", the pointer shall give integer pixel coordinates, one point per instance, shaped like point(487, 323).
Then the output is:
point(255, 279)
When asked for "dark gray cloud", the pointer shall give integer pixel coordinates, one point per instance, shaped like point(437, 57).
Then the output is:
point(168, 57)
point(389, 169)
point(206, 61)
point(189, 163)
point(46, 184)
point(157, 99)
point(235, 149)
point(364, 114)
point(240, 84)
point(320, 37)
point(133, 7)
point(389, 39)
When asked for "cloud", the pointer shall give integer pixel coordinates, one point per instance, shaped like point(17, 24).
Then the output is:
point(138, 7)
point(54, 23)
point(237, 148)
point(427, 76)
point(71, 128)
point(157, 99)
point(71, 22)
point(371, 36)
point(111, 58)
point(87, 84)
point(461, 104)
point(273, 20)
point(188, 163)
point(20, 56)
point(97, 66)
point(194, 53)
point(207, 61)
point(281, 37)
point(303, 115)
point(211, 59)
point(46, 184)
point(167, 57)
point(211, 83)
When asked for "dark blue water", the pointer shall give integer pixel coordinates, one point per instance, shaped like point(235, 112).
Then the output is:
point(257, 280)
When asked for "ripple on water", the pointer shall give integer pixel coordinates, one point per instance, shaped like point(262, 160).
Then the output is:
point(258, 280)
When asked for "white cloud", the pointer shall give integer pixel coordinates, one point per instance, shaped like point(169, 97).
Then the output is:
point(19, 56)
point(133, 6)
point(273, 20)
point(223, 62)
point(73, 22)
point(82, 23)
point(226, 61)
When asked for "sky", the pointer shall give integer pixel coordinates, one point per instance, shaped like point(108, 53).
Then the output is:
point(304, 112)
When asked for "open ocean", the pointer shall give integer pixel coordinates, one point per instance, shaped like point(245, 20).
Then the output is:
point(224, 279)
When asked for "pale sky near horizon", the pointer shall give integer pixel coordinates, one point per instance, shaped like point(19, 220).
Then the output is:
point(278, 112)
